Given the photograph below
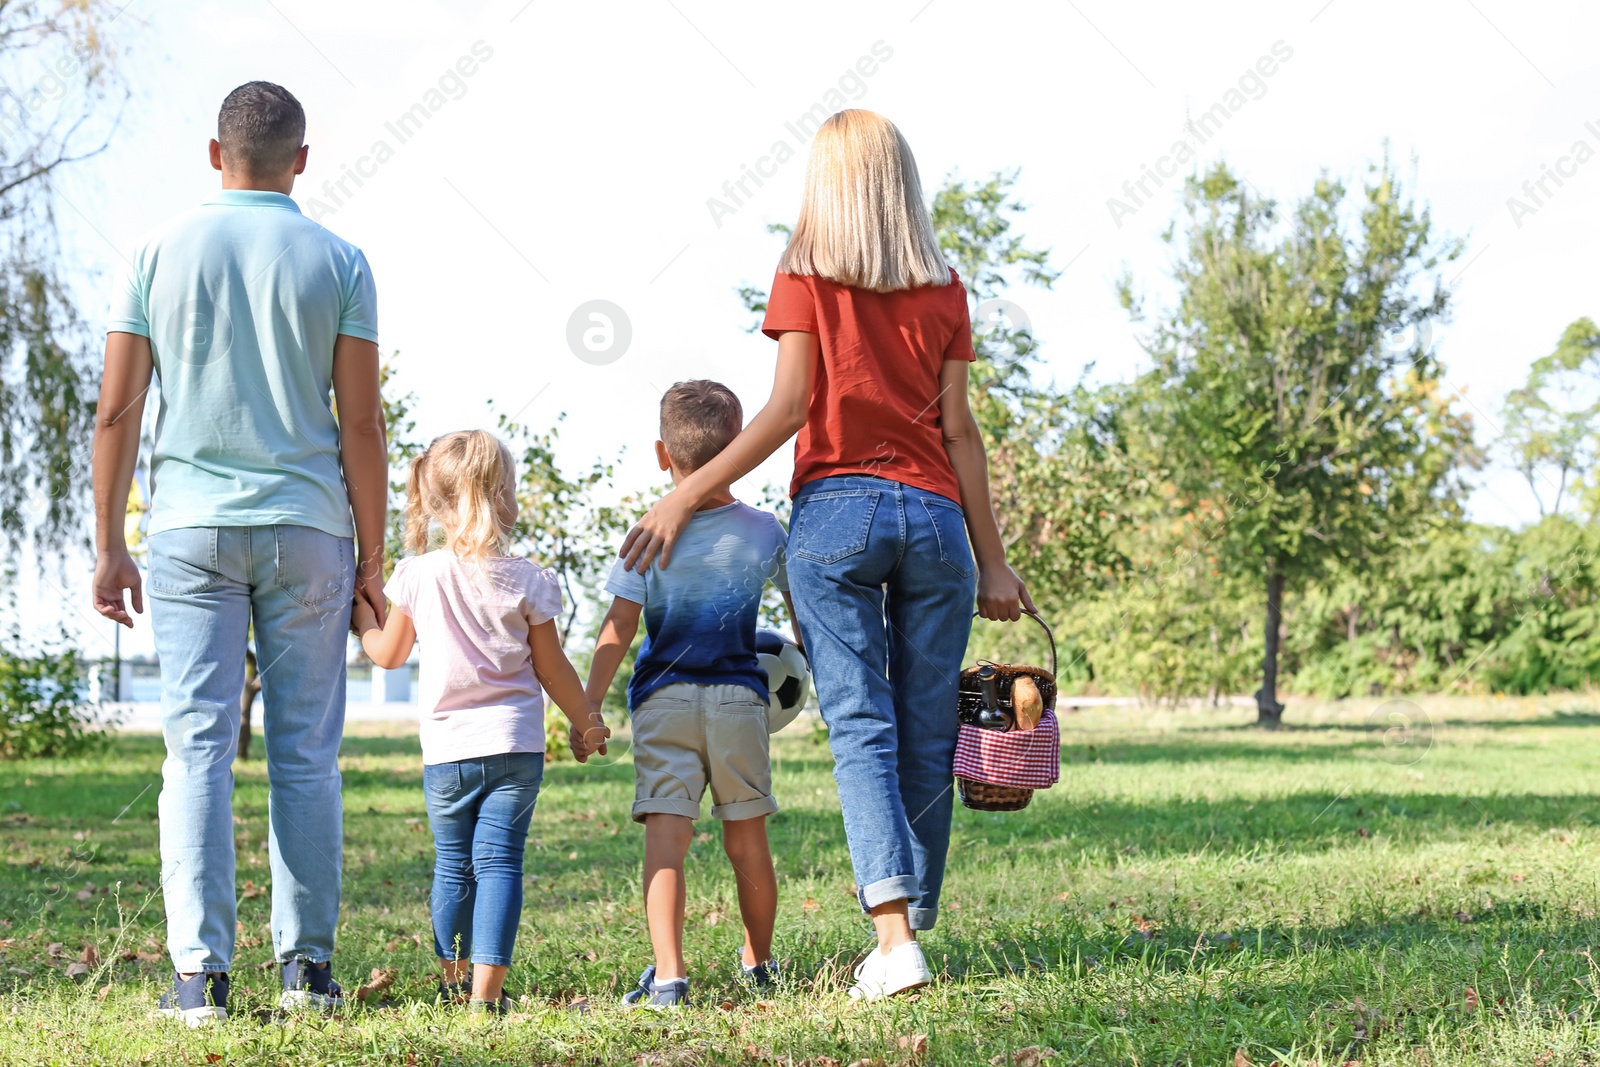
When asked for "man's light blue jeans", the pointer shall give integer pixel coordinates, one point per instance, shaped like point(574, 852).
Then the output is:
point(207, 586)
point(883, 582)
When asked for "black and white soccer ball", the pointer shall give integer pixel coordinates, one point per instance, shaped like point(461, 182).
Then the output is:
point(788, 677)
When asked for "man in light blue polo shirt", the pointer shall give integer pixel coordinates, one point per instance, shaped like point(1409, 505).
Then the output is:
point(248, 314)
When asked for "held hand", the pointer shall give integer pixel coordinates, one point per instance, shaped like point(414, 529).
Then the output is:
point(362, 617)
point(1002, 595)
point(656, 533)
point(115, 571)
point(369, 589)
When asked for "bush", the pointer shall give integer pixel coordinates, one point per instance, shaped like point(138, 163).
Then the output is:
point(44, 705)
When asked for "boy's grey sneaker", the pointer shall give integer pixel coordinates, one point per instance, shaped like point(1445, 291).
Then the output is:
point(763, 977)
point(195, 1001)
point(654, 994)
point(306, 985)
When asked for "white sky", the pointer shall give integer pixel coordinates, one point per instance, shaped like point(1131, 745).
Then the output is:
point(578, 162)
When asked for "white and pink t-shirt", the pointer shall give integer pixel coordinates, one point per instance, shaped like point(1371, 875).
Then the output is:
point(477, 692)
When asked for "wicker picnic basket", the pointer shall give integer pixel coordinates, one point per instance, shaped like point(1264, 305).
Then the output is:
point(971, 701)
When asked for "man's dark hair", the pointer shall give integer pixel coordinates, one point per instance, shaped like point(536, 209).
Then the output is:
point(698, 419)
point(261, 127)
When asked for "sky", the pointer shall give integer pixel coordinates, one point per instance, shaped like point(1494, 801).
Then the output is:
point(574, 153)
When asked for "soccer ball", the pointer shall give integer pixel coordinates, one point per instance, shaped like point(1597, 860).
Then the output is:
point(788, 677)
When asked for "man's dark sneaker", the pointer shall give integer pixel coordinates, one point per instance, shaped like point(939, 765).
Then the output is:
point(763, 977)
point(658, 995)
point(196, 1000)
point(504, 1006)
point(308, 985)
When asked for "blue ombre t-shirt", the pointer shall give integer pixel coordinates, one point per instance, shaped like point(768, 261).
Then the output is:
point(242, 300)
point(700, 613)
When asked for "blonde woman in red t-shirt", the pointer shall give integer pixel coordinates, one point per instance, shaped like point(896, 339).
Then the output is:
point(890, 482)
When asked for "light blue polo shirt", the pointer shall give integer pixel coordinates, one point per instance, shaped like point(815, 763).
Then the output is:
point(242, 299)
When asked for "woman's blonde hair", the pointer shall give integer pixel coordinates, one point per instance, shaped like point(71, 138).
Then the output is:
point(458, 483)
point(862, 220)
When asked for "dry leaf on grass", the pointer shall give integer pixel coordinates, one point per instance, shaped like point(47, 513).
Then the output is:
point(78, 970)
point(380, 982)
point(827, 1061)
point(90, 955)
point(1241, 1058)
point(916, 1044)
point(867, 1063)
point(103, 992)
point(57, 949)
point(1470, 1000)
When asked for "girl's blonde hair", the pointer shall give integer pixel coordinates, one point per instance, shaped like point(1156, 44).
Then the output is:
point(862, 221)
point(458, 482)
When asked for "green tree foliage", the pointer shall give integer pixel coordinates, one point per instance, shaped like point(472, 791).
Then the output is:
point(1477, 608)
point(1552, 423)
point(53, 61)
point(1280, 395)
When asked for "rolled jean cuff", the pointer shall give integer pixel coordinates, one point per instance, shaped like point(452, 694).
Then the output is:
point(202, 968)
point(744, 809)
point(899, 887)
point(922, 918)
point(491, 961)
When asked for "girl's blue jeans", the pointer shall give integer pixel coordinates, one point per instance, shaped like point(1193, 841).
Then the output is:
point(479, 810)
point(883, 580)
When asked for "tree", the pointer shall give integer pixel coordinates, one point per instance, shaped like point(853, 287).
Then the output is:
point(1294, 387)
point(1552, 423)
point(54, 58)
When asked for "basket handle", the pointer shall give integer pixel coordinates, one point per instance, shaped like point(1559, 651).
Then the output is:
point(1048, 633)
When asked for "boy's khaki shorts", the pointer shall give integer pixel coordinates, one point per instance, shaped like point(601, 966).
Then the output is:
point(686, 736)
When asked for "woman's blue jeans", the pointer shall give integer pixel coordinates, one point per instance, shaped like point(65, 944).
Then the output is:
point(883, 582)
point(479, 810)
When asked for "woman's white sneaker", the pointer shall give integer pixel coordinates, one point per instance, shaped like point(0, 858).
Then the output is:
point(883, 974)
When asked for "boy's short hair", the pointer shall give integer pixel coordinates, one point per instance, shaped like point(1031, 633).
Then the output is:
point(261, 127)
point(698, 419)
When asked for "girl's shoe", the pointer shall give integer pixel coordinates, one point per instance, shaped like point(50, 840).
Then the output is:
point(885, 974)
point(504, 1006)
point(455, 992)
point(196, 1001)
point(306, 985)
point(763, 977)
point(658, 995)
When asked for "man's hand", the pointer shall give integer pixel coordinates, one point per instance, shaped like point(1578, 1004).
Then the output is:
point(114, 571)
point(369, 591)
point(362, 617)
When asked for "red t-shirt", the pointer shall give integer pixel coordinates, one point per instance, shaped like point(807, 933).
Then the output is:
point(875, 406)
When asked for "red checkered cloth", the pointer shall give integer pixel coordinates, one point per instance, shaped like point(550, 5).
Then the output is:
point(1023, 759)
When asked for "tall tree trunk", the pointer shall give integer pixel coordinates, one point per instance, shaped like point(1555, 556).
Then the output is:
point(247, 702)
point(1269, 712)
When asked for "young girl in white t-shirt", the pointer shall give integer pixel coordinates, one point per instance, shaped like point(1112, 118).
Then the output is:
point(489, 643)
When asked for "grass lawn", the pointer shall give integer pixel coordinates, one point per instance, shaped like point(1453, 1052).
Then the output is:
point(1194, 891)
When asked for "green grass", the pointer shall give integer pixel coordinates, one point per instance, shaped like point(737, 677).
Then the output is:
point(1192, 888)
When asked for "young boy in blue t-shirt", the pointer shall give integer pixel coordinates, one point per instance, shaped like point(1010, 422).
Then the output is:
point(698, 695)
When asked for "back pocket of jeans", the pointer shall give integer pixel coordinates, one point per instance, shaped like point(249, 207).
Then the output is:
point(183, 562)
point(315, 568)
point(832, 526)
point(950, 527)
